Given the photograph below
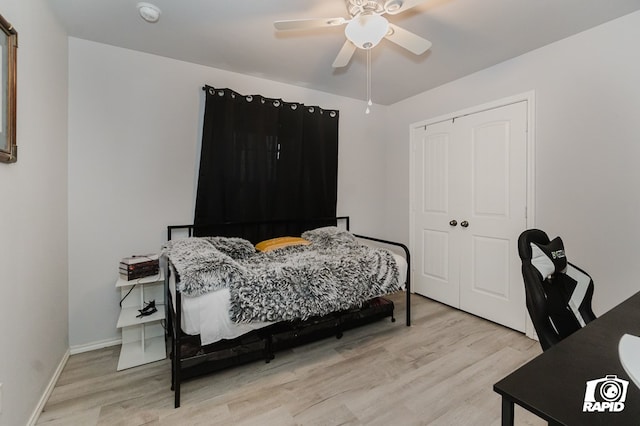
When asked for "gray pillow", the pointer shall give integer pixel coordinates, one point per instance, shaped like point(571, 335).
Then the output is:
point(235, 248)
point(329, 235)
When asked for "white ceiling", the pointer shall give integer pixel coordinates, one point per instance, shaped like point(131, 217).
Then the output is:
point(238, 35)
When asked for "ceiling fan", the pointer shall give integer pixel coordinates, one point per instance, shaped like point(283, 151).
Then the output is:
point(366, 28)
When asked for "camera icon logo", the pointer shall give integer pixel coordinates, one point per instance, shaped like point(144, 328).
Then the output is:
point(607, 394)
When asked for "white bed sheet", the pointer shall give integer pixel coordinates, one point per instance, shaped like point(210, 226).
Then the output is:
point(208, 315)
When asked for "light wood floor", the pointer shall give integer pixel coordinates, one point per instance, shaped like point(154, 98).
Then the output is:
point(440, 371)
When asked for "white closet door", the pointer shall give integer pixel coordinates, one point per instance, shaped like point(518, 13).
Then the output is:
point(437, 271)
point(469, 207)
point(495, 210)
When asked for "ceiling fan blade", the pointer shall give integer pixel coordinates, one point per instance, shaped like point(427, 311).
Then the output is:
point(303, 24)
point(393, 7)
point(345, 54)
point(410, 41)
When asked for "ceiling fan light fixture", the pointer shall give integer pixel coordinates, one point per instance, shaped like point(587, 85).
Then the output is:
point(149, 12)
point(366, 31)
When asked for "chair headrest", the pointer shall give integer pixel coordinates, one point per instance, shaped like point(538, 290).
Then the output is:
point(526, 238)
point(548, 258)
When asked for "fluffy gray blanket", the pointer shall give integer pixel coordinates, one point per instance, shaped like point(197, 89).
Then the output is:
point(335, 272)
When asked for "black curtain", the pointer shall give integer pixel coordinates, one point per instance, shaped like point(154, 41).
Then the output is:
point(265, 159)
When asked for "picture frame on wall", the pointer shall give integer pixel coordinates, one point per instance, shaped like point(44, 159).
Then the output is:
point(8, 59)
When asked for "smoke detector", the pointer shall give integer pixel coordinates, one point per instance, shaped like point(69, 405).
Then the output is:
point(149, 12)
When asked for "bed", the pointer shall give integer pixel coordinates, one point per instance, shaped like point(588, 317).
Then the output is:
point(226, 303)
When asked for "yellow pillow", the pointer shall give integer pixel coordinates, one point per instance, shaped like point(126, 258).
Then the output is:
point(276, 243)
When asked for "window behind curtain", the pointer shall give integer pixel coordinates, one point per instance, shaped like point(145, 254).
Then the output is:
point(265, 159)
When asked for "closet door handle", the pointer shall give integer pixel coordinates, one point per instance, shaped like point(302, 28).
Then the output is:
point(464, 223)
point(453, 222)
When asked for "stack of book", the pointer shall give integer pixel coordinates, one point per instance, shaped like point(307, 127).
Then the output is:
point(134, 267)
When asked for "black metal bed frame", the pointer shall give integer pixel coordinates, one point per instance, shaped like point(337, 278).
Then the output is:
point(261, 341)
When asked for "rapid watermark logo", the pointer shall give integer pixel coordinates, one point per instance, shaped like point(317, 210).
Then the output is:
point(607, 394)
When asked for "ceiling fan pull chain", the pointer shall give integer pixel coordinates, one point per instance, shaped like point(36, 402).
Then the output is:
point(369, 103)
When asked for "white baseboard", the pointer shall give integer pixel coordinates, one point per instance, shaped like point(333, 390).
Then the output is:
point(47, 392)
point(78, 349)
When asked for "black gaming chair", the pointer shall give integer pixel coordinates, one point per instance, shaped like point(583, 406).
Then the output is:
point(558, 293)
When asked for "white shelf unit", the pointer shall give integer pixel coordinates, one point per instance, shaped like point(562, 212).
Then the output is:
point(142, 338)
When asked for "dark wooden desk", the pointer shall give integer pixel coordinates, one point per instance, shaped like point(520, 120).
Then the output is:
point(553, 385)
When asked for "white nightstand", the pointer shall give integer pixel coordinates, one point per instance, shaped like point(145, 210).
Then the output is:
point(142, 338)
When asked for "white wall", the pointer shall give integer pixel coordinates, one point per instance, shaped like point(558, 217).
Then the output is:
point(134, 138)
point(587, 90)
point(33, 216)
